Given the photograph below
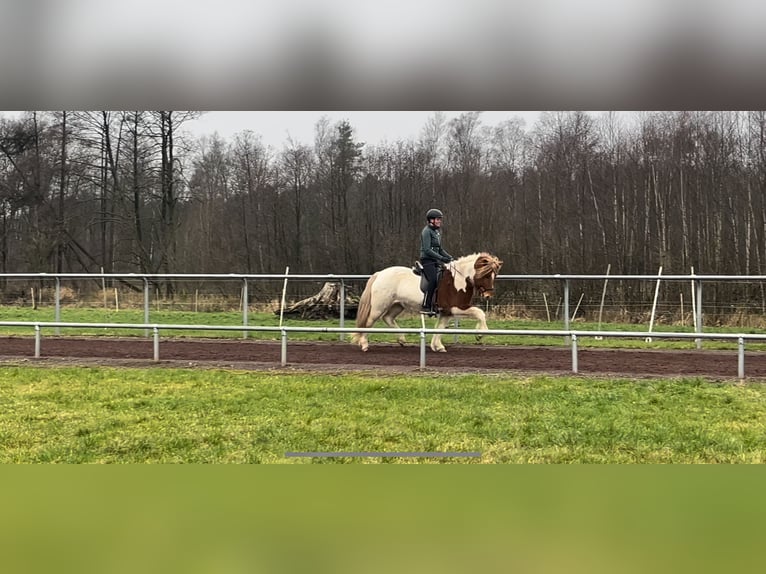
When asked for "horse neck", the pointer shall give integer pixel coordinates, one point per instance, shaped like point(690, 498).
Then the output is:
point(465, 265)
point(448, 281)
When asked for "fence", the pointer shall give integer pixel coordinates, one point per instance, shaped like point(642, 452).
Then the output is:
point(649, 298)
point(248, 281)
point(147, 281)
point(571, 335)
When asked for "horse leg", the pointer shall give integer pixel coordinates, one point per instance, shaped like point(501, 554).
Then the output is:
point(389, 318)
point(481, 319)
point(436, 340)
point(361, 340)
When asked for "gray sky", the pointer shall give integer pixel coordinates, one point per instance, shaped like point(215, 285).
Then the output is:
point(369, 126)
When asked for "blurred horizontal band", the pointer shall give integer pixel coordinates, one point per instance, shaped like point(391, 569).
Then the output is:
point(363, 454)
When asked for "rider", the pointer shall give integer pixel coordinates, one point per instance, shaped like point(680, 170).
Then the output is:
point(432, 256)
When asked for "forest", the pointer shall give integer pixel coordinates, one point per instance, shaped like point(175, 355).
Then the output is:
point(132, 191)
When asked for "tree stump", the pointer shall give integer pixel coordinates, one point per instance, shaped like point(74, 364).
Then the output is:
point(324, 305)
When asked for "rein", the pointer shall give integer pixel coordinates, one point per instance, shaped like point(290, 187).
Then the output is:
point(454, 270)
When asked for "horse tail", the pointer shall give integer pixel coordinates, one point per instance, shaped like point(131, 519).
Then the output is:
point(365, 304)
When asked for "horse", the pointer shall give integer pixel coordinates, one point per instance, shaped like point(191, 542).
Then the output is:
point(393, 290)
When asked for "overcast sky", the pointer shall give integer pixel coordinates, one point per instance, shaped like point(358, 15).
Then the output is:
point(371, 127)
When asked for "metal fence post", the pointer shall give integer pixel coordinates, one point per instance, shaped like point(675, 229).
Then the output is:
point(284, 348)
point(741, 358)
point(422, 349)
point(245, 303)
point(698, 318)
point(57, 305)
point(566, 311)
point(342, 308)
point(146, 306)
point(574, 354)
point(156, 335)
point(37, 341)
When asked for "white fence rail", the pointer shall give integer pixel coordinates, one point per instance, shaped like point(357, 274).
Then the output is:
point(572, 335)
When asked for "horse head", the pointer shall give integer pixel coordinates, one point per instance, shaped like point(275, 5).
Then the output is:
point(479, 270)
point(486, 267)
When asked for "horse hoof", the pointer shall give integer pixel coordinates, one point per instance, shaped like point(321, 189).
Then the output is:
point(402, 343)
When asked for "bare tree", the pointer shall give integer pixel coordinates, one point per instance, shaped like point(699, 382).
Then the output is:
point(508, 160)
point(255, 213)
point(432, 143)
point(140, 181)
point(209, 235)
point(296, 168)
point(464, 162)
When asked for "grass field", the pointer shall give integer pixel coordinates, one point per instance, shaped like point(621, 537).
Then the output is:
point(110, 415)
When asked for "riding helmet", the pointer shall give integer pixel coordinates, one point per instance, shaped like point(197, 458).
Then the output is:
point(433, 214)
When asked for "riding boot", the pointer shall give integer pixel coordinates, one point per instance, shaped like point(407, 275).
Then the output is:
point(428, 307)
point(425, 308)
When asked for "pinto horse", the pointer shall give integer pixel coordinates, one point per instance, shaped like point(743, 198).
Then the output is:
point(396, 289)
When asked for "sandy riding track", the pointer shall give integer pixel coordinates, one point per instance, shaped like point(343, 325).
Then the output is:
point(381, 357)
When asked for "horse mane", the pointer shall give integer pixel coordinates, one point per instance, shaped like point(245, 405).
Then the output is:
point(474, 266)
point(486, 264)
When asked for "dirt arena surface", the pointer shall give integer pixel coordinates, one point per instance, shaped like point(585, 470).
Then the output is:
point(339, 356)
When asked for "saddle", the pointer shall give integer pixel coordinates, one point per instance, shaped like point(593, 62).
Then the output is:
point(417, 269)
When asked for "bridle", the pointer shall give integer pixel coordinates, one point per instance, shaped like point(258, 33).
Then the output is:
point(492, 265)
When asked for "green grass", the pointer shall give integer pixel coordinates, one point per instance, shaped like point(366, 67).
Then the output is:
point(109, 415)
point(92, 315)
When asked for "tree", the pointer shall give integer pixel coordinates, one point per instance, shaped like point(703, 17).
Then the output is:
point(432, 144)
point(343, 177)
point(338, 157)
point(296, 166)
point(507, 162)
point(254, 211)
point(140, 186)
point(208, 227)
point(464, 148)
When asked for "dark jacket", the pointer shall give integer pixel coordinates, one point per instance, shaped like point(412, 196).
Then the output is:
point(431, 245)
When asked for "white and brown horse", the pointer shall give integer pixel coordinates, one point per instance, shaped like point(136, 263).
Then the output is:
point(396, 289)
